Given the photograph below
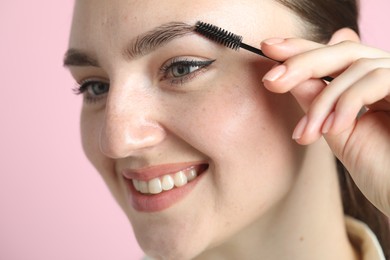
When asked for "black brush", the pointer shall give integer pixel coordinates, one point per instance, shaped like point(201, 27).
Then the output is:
point(231, 40)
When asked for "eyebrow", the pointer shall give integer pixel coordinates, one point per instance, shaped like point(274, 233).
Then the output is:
point(74, 57)
point(140, 46)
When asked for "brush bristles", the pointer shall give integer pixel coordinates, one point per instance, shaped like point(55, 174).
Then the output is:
point(219, 35)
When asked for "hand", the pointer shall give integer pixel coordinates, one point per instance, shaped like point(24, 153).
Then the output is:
point(361, 80)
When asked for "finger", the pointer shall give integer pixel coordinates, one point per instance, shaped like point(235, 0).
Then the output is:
point(358, 95)
point(282, 49)
point(340, 88)
point(351, 91)
point(307, 91)
point(317, 63)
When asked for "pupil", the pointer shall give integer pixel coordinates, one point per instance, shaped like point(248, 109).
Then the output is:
point(180, 70)
point(99, 88)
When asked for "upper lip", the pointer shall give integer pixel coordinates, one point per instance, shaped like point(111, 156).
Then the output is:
point(155, 171)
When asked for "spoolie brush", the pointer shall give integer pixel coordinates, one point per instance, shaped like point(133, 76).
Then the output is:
point(226, 38)
point(231, 40)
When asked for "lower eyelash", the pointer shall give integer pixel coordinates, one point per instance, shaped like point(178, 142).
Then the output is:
point(194, 63)
point(78, 90)
point(184, 79)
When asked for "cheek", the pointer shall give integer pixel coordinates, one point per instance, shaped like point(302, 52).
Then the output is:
point(246, 132)
point(90, 126)
point(233, 114)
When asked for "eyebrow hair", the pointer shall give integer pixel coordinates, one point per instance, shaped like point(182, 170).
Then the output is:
point(156, 38)
point(142, 45)
point(74, 57)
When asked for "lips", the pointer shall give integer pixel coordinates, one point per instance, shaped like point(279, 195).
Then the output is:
point(159, 187)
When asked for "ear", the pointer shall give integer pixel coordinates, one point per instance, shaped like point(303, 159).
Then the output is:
point(344, 34)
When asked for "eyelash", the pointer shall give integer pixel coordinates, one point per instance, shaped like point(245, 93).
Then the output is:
point(85, 86)
point(176, 62)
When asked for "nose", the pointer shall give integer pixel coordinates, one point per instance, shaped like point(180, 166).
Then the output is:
point(130, 123)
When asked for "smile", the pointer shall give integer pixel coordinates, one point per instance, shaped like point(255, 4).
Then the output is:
point(159, 187)
point(166, 182)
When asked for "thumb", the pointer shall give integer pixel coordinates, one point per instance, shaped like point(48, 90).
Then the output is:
point(307, 91)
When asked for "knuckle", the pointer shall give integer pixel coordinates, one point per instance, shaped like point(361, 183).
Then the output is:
point(362, 63)
point(380, 72)
point(350, 102)
point(346, 99)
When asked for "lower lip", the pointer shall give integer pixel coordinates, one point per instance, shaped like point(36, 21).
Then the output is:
point(161, 201)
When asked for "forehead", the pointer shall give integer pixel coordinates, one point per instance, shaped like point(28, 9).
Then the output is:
point(104, 25)
point(113, 15)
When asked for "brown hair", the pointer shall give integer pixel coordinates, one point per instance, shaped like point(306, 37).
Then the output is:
point(323, 18)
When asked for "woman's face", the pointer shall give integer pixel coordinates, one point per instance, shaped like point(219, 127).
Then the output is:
point(179, 104)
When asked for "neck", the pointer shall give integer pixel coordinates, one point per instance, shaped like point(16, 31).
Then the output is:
point(308, 224)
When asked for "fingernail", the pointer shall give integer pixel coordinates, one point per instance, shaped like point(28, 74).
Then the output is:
point(328, 123)
point(300, 128)
point(273, 41)
point(275, 73)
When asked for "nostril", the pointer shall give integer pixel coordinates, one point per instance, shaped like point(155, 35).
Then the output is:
point(122, 138)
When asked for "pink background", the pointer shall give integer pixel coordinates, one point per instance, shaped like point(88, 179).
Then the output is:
point(53, 205)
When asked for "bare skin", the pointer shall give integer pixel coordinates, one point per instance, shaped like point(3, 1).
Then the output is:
point(191, 101)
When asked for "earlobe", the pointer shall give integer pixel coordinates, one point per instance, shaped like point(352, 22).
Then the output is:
point(344, 34)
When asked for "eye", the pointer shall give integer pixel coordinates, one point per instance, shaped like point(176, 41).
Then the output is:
point(181, 70)
point(93, 90)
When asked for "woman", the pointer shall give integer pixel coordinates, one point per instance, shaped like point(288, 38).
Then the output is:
point(194, 139)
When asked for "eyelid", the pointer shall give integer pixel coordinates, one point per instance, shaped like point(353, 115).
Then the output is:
point(84, 87)
point(92, 79)
point(181, 59)
point(201, 62)
point(85, 81)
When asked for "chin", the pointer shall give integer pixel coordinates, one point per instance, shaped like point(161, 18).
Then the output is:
point(166, 250)
point(173, 255)
point(172, 240)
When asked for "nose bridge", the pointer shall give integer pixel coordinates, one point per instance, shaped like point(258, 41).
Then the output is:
point(130, 123)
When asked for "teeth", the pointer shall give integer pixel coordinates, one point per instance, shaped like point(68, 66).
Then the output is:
point(143, 187)
point(136, 184)
point(191, 174)
point(166, 182)
point(155, 186)
point(180, 179)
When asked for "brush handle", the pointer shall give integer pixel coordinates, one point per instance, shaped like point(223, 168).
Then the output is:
point(255, 50)
point(259, 52)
